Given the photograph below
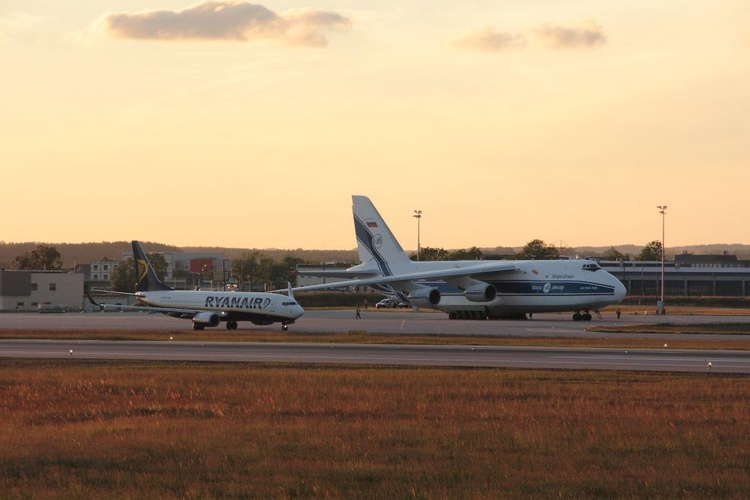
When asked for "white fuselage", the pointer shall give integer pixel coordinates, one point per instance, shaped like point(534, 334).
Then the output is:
point(535, 286)
point(239, 304)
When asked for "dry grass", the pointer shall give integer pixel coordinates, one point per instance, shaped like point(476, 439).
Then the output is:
point(678, 329)
point(650, 309)
point(135, 430)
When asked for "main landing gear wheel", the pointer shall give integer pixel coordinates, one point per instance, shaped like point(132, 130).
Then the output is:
point(582, 316)
point(472, 314)
point(231, 325)
point(198, 326)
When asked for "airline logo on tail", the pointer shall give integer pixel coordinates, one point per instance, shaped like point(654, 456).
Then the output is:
point(142, 269)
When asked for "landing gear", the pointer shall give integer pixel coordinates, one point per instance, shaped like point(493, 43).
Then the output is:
point(284, 328)
point(582, 316)
point(231, 325)
point(472, 314)
point(198, 327)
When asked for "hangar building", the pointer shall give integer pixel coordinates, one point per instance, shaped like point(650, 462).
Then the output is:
point(40, 290)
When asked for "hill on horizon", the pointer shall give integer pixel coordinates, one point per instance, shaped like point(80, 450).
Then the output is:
point(83, 253)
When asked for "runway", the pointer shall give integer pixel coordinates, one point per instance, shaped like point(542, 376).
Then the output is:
point(392, 355)
point(402, 323)
point(378, 322)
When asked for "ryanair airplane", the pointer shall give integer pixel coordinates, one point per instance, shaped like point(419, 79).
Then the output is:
point(206, 308)
point(472, 289)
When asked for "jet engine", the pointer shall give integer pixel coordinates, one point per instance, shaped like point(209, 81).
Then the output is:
point(480, 292)
point(206, 318)
point(424, 297)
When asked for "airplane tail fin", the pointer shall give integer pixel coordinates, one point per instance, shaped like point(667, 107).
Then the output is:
point(147, 280)
point(375, 241)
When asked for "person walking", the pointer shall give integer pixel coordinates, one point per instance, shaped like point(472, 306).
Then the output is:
point(358, 315)
point(618, 312)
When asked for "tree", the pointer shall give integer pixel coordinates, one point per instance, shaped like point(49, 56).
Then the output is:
point(614, 254)
point(45, 258)
point(472, 253)
point(429, 253)
point(123, 279)
point(252, 267)
point(283, 272)
point(538, 250)
point(652, 251)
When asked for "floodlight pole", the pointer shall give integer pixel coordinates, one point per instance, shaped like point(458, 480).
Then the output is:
point(663, 212)
point(418, 215)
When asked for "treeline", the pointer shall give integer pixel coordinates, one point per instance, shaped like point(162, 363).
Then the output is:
point(84, 253)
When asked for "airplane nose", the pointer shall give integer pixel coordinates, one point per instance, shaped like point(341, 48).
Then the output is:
point(620, 290)
point(298, 311)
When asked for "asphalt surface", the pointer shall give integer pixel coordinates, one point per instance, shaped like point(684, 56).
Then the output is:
point(406, 323)
point(394, 355)
point(385, 322)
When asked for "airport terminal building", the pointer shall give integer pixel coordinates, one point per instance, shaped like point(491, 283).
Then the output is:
point(40, 291)
point(686, 276)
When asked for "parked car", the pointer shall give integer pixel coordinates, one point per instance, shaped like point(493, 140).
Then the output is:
point(390, 302)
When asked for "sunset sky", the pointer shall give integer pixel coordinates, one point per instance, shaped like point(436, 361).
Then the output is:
point(251, 124)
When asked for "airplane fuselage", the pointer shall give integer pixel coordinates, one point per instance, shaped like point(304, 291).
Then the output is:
point(235, 306)
point(535, 286)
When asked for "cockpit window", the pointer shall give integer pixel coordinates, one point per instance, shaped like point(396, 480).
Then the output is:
point(289, 303)
point(591, 267)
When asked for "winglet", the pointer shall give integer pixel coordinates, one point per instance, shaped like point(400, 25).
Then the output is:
point(91, 299)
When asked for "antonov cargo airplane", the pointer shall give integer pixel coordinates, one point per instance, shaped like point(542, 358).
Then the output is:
point(472, 289)
point(203, 307)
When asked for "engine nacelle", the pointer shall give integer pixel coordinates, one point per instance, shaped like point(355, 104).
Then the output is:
point(424, 297)
point(206, 318)
point(480, 292)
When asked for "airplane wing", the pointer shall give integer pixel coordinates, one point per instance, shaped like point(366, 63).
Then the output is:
point(343, 273)
point(473, 271)
point(112, 292)
point(184, 313)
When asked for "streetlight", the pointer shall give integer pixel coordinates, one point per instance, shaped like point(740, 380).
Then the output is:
point(418, 215)
point(663, 212)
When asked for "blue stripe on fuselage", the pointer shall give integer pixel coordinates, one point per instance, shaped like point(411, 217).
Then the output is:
point(556, 288)
point(365, 237)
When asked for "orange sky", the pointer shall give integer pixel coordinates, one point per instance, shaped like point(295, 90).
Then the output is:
point(251, 125)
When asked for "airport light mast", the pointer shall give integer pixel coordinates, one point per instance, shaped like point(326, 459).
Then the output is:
point(418, 215)
point(663, 212)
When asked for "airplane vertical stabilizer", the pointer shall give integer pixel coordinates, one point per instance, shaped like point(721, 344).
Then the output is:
point(375, 241)
point(145, 275)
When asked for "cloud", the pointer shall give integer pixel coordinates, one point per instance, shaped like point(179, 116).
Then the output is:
point(227, 20)
point(588, 34)
point(489, 40)
point(582, 35)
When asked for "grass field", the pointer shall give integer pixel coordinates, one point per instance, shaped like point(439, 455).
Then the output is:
point(76, 429)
